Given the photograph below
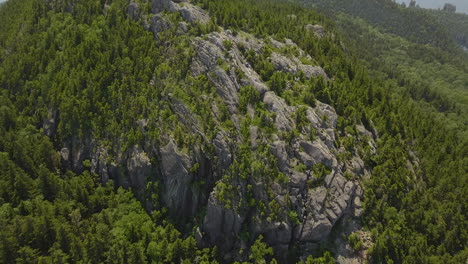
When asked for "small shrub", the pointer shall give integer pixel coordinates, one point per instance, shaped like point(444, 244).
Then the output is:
point(355, 242)
point(227, 44)
point(293, 217)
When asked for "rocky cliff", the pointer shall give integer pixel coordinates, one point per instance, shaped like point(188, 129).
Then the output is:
point(261, 164)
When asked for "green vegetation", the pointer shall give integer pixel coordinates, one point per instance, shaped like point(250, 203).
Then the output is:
point(260, 251)
point(103, 71)
point(355, 242)
point(49, 215)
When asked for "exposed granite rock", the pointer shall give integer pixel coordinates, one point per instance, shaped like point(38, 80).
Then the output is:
point(190, 13)
point(284, 120)
point(164, 5)
point(299, 208)
point(318, 205)
point(182, 28)
point(99, 163)
point(294, 65)
point(177, 180)
point(227, 88)
point(78, 150)
point(222, 152)
point(65, 154)
point(278, 149)
point(318, 30)
point(194, 14)
point(139, 169)
point(314, 153)
point(133, 11)
point(158, 24)
point(220, 223)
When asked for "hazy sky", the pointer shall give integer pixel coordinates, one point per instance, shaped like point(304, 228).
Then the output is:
point(462, 5)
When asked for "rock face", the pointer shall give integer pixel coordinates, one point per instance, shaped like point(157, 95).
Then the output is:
point(194, 14)
point(190, 13)
point(317, 198)
point(139, 169)
point(163, 5)
point(294, 65)
point(219, 222)
point(176, 178)
point(293, 190)
point(158, 24)
point(133, 11)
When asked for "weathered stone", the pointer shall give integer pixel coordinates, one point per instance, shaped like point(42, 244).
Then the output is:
point(253, 136)
point(99, 163)
point(177, 180)
point(139, 169)
point(158, 24)
point(318, 30)
point(278, 149)
point(314, 230)
point(182, 28)
point(314, 153)
point(164, 5)
point(283, 112)
point(133, 11)
point(226, 88)
point(194, 14)
point(328, 114)
point(294, 65)
point(298, 179)
point(65, 154)
point(222, 152)
point(279, 233)
point(220, 224)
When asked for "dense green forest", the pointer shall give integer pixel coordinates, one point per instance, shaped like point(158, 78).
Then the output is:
point(104, 71)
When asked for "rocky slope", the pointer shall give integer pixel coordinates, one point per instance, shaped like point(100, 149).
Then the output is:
point(266, 166)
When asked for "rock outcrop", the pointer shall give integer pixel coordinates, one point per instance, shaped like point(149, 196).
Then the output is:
point(294, 65)
point(317, 30)
point(189, 12)
point(177, 179)
point(297, 187)
point(133, 11)
point(317, 197)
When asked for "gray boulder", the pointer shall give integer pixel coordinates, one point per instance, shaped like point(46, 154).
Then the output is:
point(314, 153)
